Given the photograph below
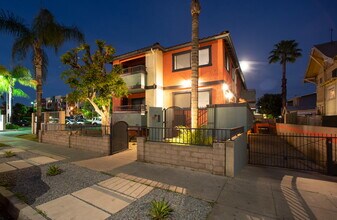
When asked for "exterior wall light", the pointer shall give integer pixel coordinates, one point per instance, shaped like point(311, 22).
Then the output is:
point(186, 83)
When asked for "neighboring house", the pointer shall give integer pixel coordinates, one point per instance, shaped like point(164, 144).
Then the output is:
point(54, 103)
point(303, 105)
point(161, 77)
point(322, 71)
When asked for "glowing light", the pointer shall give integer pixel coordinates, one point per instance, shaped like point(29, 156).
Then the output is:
point(229, 95)
point(225, 87)
point(186, 83)
point(245, 65)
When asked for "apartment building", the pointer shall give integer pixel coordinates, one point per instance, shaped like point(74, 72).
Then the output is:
point(160, 76)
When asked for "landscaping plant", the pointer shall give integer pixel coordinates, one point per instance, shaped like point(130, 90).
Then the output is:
point(160, 210)
point(53, 170)
point(9, 154)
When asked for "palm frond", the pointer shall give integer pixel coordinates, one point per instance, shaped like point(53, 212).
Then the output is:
point(22, 45)
point(9, 23)
point(19, 93)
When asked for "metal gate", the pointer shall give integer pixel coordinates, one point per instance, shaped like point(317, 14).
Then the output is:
point(294, 151)
point(174, 116)
point(119, 137)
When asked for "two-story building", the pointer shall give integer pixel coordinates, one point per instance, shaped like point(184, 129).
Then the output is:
point(160, 76)
point(322, 71)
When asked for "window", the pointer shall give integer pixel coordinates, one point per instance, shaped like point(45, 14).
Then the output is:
point(334, 73)
point(227, 63)
point(204, 56)
point(183, 100)
point(182, 61)
point(331, 93)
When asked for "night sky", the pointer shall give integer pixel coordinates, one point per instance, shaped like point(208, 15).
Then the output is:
point(255, 26)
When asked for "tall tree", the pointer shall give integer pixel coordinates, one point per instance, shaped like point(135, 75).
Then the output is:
point(285, 51)
point(91, 79)
point(195, 11)
point(44, 32)
point(8, 80)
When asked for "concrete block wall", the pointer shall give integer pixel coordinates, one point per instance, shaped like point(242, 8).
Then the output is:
point(74, 140)
point(212, 159)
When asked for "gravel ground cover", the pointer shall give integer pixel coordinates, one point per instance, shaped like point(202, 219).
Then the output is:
point(34, 187)
point(18, 156)
point(184, 207)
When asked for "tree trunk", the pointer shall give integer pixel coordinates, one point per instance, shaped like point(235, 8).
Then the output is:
point(38, 76)
point(9, 109)
point(195, 10)
point(284, 86)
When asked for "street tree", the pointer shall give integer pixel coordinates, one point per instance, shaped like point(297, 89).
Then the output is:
point(195, 11)
point(91, 77)
point(285, 51)
point(44, 32)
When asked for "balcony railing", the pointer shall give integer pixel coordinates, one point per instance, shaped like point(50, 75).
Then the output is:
point(130, 108)
point(135, 77)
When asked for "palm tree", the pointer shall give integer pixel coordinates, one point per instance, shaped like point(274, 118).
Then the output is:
point(283, 52)
point(44, 32)
point(195, 11)
point(8, 80)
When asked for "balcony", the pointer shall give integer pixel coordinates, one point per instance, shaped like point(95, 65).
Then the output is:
point(134, 115)
point(135, 78)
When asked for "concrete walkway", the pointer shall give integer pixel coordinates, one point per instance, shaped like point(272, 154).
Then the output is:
point(256, 193)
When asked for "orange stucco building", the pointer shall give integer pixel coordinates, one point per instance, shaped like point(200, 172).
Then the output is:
point(160, 77)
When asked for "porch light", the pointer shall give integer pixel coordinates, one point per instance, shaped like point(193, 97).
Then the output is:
point(186, 83)
point(229, 95)
point(225, 87)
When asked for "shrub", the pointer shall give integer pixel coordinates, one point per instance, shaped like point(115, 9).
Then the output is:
point(160, 210)
point(195, 136)
point(53, 170)
point(9, 154)
point(12, 126)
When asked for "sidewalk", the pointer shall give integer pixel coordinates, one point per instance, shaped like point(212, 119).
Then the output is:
point(125, 186)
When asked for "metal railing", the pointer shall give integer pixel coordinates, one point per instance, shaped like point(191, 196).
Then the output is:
point(191, 136)
point(128, 108)
point(293, 151)
point(134, 69)
point(85, 130)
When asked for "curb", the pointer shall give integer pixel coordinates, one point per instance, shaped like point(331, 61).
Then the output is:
point(16, 208)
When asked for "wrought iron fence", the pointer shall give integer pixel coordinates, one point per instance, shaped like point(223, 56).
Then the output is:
point(191, 136)
point(85, 130)
point(295, 151)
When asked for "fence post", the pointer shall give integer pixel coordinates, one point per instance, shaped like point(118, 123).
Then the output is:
point(329, 155)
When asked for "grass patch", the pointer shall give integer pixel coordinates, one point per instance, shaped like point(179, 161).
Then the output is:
point(21, 197)
point(54, 170)
point(9, 154)
point(30, 137)
point(43, 213)
point(160, 210)
point(4, 145)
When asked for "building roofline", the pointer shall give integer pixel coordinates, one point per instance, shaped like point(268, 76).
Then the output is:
point(223, 35)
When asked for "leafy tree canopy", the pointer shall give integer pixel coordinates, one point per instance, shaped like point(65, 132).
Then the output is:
point(270, 104)
point(91, 79)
